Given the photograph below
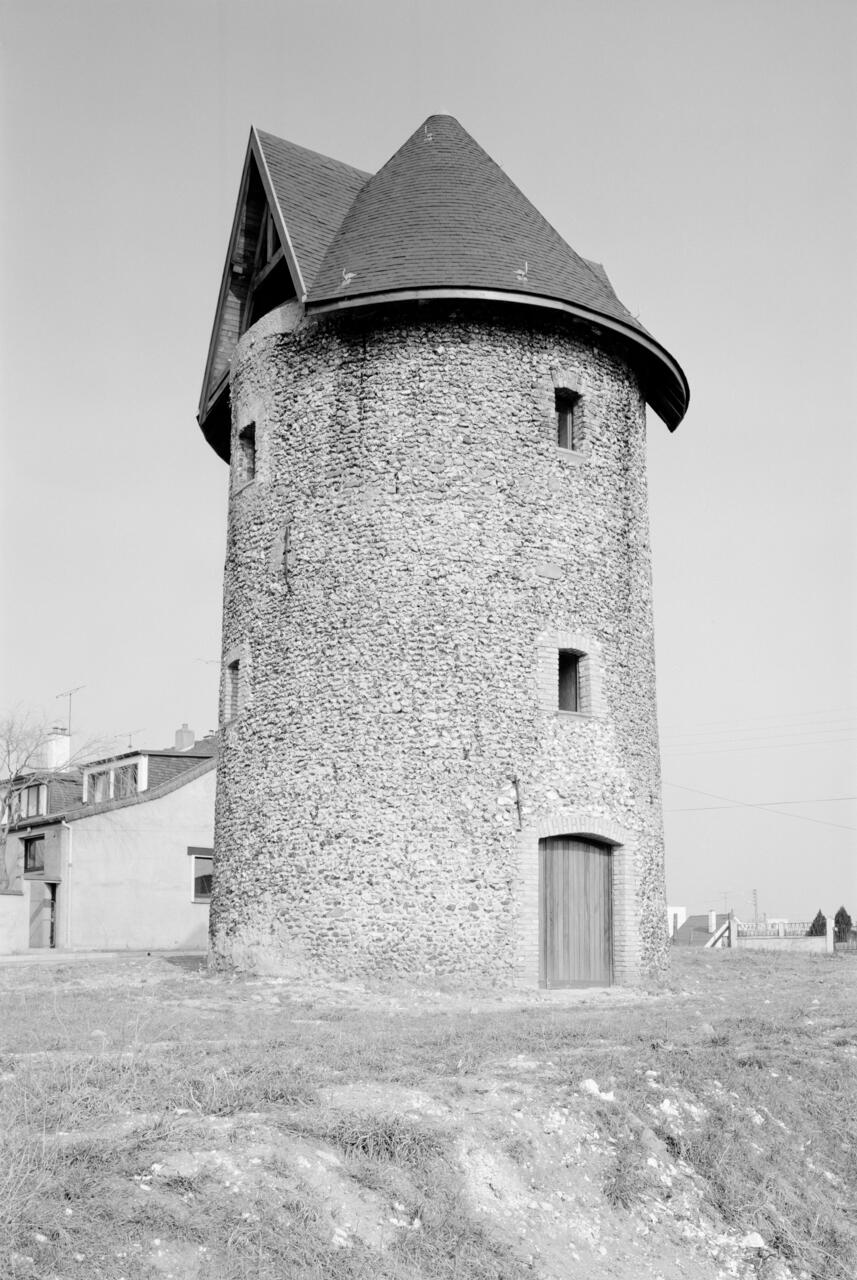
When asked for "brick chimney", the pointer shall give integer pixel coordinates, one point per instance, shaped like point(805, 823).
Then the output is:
point(185, 738)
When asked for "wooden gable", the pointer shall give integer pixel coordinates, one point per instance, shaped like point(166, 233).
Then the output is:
point(260, 274)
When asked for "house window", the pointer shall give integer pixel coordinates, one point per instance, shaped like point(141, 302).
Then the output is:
point(569, 681)
point(98, 787)
point(233, 689)
point(33, 801)
point(125, 781)
point(245, 461)
point(567, 420)
point(203, 863)
point(34, 854)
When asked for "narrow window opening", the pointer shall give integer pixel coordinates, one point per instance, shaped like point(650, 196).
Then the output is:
point(569, 681)
point(246, 460)
point(233, 688)
point(567, 420)
point(287, 545)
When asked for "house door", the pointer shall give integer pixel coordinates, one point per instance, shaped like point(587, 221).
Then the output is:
point(43, 910)
point(576, 917)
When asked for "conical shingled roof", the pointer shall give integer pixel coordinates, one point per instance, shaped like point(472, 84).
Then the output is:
point(441, 212)
point(442, 216)
point(440, 219)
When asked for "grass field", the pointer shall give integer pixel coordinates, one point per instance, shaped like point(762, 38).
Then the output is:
point(159, 1120)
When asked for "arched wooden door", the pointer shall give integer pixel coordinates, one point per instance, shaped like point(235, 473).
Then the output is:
point(576, 917)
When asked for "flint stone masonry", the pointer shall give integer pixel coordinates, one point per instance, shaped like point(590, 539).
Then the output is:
point(398, 754)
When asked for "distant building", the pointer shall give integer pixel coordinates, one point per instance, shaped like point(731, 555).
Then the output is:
point(702, 930)
point(676, 917)
point(114, 855)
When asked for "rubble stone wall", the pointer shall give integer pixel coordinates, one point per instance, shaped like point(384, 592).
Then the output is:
point(400, 573)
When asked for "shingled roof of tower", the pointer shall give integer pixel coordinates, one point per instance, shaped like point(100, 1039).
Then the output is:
point(442, 216)
point(442, 213)
point(440, 220)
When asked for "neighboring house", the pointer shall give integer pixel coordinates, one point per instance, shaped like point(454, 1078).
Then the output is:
point(676, 917)
point(698, 931)
point(116, 855)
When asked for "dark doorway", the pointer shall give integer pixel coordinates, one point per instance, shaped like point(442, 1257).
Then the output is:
point(43, 914)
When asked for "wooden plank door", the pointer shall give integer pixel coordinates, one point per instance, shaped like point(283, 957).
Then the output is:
point(576, 917)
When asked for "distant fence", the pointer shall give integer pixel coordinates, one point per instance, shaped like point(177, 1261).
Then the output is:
point(784, 929)
point(792, 935)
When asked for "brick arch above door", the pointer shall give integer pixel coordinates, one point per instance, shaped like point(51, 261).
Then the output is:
point(583, 823)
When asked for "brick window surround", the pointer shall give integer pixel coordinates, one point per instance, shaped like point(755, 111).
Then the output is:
point(569, 415)
point(568, 420)
point(558, 652)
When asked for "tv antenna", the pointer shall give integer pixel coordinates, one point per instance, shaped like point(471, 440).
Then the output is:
point(69, 693)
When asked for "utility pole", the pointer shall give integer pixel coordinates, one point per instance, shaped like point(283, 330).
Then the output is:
point(69, 693)
point(755, 909)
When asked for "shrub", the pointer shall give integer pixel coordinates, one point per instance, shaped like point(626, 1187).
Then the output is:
point(841, 924)
point(818, 928)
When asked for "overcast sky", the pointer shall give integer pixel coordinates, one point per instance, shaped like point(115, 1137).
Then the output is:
point(703, 152)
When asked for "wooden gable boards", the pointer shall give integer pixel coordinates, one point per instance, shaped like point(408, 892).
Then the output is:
point(260, 259)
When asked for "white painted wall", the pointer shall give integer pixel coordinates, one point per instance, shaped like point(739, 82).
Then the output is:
point(681, 912)
point(128, 883)
point(14, 922)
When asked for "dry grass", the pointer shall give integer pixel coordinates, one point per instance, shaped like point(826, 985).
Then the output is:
point(742, 1072)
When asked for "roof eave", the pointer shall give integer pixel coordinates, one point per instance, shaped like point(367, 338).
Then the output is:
point(668, 393)
point(205, 394)
point(209, 395)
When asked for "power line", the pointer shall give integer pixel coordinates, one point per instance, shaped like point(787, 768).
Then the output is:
point(826, 714)
point(697, 749)
point(758, 804)
point(752, 736)
point(732, 803)
point(756, 735)
point(744, 726)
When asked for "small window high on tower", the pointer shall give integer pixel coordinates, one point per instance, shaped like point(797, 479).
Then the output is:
point(245, 462)
point(568, 693)
point(233, 690)
point(567, 420)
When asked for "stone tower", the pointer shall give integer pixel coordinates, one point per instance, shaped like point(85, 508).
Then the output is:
point(439, 745)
